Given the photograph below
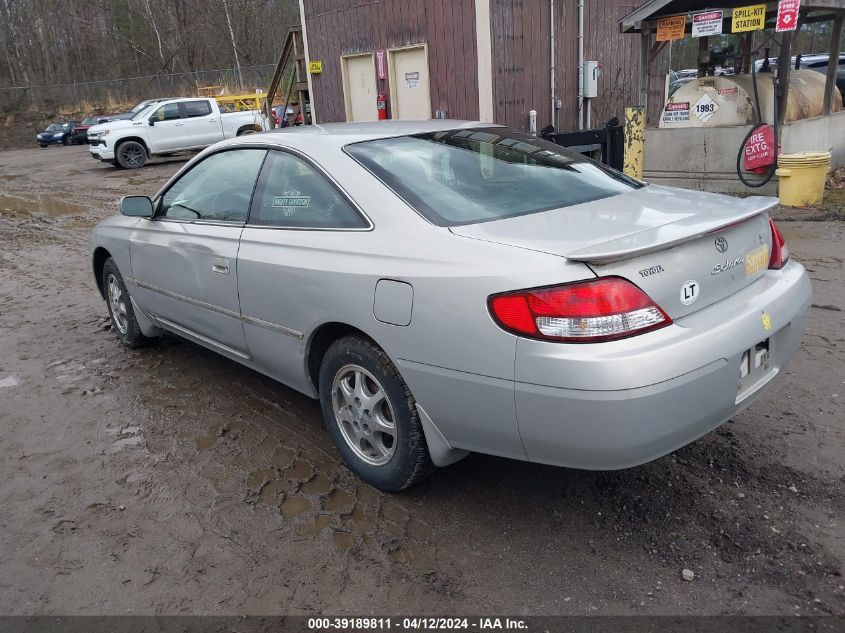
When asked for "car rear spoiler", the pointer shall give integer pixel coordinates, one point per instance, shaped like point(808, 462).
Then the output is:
point(668, 235)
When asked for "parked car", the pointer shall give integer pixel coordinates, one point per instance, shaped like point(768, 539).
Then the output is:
point(80, 131)
point(445, 287)
point(169, 127)
point(59, 133)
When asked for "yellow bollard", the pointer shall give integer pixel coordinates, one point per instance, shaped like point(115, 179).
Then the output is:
point(801, 178)
point(634, 142)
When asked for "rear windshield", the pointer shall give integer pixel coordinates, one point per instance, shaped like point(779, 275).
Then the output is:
point(475, 175)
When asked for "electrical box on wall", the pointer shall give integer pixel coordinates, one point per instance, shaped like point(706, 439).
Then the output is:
point(591, 72)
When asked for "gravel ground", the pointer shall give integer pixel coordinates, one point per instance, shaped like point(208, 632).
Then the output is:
point(169, 480)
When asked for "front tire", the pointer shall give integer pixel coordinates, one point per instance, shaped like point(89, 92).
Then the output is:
point(122, 313)
point(131, 155)
point(371, 415)
point(65, 140)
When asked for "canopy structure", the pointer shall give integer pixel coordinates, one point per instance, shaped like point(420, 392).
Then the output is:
point(646, 16)
point(644, 21)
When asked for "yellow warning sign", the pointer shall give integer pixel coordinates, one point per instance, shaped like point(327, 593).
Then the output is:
point(671, 28)
point(315, 67)
point(751, 18)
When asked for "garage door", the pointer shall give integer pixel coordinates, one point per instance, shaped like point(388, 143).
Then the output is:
point(359, 88)
point(409, 83)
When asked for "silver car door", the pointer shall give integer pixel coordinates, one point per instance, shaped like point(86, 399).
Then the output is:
point(184, 260)
point(298, 222)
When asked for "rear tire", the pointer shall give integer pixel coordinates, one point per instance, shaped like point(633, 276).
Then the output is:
point(371, 415)
point(42, 146)
point(131, 155)
point(65, 140)
point(122, 314)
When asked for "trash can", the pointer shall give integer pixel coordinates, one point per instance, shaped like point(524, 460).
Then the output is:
point(801, 178)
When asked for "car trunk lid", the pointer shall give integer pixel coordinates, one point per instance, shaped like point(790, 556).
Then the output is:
point(686, 249)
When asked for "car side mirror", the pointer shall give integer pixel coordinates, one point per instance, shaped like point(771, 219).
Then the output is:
point(136, 206)
point(101, 121)
point(152, 121)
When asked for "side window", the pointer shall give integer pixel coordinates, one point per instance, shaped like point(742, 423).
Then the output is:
point(167, 112)
point(196, 108)
point(291, 193)
point(219, 188)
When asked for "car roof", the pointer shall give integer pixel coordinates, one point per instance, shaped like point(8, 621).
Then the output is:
point(335, 135)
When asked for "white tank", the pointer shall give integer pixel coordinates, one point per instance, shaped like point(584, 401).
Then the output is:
point(729, 100)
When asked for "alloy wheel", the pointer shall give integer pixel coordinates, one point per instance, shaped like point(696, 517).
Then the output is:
point(132, 155)
point(364, 415)
point(117, 301)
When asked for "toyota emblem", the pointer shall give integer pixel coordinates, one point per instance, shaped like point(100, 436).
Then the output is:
point(721, 244)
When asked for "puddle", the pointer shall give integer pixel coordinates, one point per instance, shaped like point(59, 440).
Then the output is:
point(294, 506)
point(126, 442)
point(274, 492)
point(206, 442)
point(9, 381)
point(360, 521)
point(320, 523)
point(338, 501)
point(299, 470)
point(320, 484)
point(259, 478)
point(344, 540)
point(47, 203)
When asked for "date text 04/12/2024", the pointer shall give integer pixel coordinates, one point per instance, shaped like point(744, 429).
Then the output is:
point(415, 624)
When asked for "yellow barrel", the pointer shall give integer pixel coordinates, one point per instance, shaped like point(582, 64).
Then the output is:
point(801, 178)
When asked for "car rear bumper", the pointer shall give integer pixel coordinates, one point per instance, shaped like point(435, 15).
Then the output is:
point(620, 404)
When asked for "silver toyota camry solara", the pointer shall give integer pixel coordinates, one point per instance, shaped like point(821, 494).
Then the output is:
point(445, 287)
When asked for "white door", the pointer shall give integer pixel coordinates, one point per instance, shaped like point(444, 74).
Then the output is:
point(167, 130)
point(359, 88)
point(202, 124)
point(409, 88)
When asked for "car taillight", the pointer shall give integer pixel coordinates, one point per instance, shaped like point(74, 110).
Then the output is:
point(780, 252)
point(602, 309)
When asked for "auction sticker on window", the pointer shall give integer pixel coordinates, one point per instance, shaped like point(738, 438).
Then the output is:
point(705, 108)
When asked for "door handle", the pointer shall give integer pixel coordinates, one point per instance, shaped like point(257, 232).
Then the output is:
point(220, 265)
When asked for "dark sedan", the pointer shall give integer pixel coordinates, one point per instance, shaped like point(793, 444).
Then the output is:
point(57, 134)
point(80, 131)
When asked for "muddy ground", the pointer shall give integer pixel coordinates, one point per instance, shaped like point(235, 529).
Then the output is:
point(170, 480)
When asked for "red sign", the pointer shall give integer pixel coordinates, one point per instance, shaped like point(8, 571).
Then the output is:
point(380, 69)
point(787, 15)
point(760, 149)
point(675, 106)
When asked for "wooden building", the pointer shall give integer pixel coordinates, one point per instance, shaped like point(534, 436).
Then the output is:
point(491, 60)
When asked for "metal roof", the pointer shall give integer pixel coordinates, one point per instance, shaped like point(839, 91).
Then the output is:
point(655, 9)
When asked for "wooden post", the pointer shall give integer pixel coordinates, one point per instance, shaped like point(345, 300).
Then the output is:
point(634, 142)
point(645, 36)
point(703, 57)
point(832, 62)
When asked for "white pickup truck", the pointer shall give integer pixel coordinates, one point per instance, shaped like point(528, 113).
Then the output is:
point(169, 127)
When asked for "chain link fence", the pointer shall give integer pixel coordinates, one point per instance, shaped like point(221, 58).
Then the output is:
point(113, 94)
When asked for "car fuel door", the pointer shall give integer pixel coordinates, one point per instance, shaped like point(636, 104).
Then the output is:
point(184, 260)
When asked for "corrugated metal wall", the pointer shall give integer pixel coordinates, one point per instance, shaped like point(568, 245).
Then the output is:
point(520, 55)
point(342, 27)
point(521, 73)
